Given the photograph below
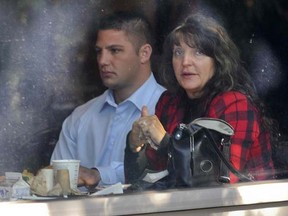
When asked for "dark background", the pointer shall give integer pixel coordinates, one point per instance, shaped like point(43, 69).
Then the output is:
point(48, 64)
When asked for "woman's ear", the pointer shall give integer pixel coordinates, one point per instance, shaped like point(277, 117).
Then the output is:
point(145, 53)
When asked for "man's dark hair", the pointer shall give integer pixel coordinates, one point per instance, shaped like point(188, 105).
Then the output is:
point(134, 24)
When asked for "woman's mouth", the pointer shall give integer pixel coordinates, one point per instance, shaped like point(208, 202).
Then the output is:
point(188, 74)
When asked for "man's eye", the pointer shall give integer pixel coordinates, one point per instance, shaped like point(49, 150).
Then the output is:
point(115, 50)
point(98, 51)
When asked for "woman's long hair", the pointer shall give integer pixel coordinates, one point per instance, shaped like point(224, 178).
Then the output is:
point(207, 35)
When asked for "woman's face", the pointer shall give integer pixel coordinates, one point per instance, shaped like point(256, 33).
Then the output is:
point(192, 69)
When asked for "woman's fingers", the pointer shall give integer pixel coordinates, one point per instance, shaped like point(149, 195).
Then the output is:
point(147, 129)
point(152, 128)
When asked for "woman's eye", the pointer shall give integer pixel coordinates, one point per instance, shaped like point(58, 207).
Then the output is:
point(178, 52)
point(198, 52)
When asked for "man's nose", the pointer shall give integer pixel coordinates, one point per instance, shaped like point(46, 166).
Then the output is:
point(103, 58)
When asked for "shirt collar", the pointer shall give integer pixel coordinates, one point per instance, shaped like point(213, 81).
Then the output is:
point(136, 98)
point(143, 94)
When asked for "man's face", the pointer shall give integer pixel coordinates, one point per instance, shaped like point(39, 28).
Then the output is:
point(117, 59)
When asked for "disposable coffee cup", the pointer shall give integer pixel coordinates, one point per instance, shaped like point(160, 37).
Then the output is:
point(49, 179)
point(72, 166)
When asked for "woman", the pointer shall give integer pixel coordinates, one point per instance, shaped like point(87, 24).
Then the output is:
point(203, 74)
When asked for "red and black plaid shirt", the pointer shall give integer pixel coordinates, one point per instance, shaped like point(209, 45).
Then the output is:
point(250, 145)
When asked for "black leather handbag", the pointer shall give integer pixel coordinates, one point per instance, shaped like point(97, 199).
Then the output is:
point(199, 154)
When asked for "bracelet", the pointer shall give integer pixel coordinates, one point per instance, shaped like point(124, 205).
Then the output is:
point(153, 145)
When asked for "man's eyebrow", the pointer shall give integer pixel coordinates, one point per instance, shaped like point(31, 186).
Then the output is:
point(110, 46)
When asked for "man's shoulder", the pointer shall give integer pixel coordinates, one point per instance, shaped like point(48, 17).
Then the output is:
point(153, 84)
point(147, 94)
point(94, 103)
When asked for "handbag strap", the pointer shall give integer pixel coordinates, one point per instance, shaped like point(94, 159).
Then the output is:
point(215, 124)
point(226, 162)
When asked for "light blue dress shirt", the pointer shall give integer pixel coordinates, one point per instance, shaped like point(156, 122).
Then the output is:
point(95, 133)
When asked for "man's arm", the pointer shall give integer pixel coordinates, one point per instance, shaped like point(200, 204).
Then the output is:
point(66, 146)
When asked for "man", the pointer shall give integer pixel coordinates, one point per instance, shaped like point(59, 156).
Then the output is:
point(95, 133)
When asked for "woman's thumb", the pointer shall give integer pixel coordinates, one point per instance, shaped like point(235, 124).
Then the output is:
point(144, 111)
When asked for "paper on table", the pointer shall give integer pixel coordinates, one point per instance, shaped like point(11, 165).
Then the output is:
point(113, 189)
point(152, 176)
point(13, 186)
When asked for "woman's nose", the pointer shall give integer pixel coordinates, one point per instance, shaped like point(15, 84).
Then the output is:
point(188, 59)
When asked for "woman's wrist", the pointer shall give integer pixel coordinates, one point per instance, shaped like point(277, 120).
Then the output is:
point(163, 147)
point(165, 141)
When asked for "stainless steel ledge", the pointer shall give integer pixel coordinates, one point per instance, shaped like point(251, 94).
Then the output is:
point(262, 198)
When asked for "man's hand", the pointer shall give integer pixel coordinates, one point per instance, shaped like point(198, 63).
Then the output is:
point(88, 177)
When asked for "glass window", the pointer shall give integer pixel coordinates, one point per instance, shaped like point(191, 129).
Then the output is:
point(48, 66)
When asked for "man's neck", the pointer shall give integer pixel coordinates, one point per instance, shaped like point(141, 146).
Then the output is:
point(121, 95)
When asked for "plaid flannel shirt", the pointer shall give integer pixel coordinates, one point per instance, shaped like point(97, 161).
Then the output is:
point(250, 145)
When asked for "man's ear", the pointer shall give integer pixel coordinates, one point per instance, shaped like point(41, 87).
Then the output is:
point(145, 53)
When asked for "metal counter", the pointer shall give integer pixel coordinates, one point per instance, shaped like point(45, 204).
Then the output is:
point(261, 198)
